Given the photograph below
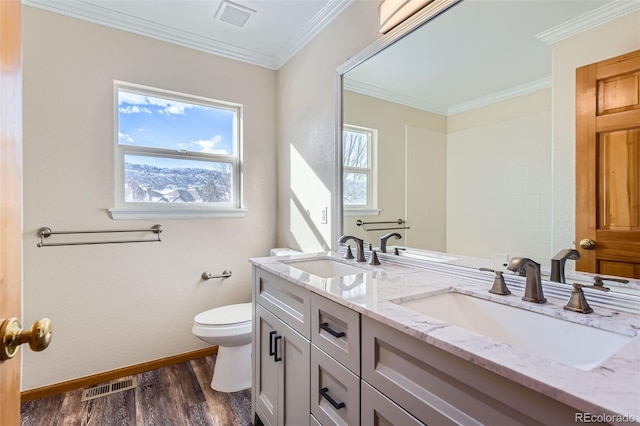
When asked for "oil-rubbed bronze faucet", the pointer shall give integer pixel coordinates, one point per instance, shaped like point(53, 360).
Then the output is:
point(499, 286)
point(578, 303)
point(533, 288)
point(359, 244)
point(384, 238)
point(558, 261)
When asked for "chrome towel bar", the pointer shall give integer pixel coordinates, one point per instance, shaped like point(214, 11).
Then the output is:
point(398, 222)
point(46, 232)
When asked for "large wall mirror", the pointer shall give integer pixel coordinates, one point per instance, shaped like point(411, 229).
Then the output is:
point(457, 130)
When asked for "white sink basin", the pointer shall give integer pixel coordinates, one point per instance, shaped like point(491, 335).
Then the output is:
point(325, 268)
point(573, 344)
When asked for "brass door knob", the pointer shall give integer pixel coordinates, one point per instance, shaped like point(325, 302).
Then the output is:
point(587, 244)
point(12, 336)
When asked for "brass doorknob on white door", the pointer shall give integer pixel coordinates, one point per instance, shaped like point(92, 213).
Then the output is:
point(12, 335)
point(587, 244)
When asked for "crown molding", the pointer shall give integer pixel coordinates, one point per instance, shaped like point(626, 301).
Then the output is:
point(503, 95)
point(102, 16)
point(391, 96)
point(602, 15)
point(323, 18)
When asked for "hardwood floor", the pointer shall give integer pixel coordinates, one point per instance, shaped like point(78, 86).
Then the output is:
point(177, 395)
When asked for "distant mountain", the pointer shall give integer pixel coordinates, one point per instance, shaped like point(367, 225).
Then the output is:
point(144, 183)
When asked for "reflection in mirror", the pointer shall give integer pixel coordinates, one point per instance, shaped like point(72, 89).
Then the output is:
point(462, 110)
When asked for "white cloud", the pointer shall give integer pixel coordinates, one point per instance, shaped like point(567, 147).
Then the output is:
point(165, 106)
point(134, 110)
point(209, 145)
point(124, 138)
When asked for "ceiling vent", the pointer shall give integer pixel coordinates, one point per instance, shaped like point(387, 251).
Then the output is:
point(234, 14)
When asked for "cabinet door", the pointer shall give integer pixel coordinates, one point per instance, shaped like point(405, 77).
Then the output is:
point(265, 386)
point(294, 352)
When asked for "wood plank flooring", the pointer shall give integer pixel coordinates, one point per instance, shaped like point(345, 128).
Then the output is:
point(177, 395)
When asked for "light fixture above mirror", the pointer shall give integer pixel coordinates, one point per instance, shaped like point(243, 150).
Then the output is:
point(393, 12)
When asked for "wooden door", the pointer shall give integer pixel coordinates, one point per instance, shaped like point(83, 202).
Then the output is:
point(10, 197)
point(608, 165)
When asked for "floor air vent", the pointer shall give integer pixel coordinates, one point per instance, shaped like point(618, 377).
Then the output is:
point(104, 389)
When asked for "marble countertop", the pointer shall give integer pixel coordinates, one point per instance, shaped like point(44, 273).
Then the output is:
point(611, 388)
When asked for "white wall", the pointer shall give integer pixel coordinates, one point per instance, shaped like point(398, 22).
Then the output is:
point(119, 305)
point(603, 42)
point(499, 179)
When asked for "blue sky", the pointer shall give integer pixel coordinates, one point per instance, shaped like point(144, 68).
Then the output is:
point(163, 123)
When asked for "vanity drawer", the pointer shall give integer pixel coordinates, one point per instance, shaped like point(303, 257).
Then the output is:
point(335, 391)
point(289, 302)
point(379, 410)
point(336, 330)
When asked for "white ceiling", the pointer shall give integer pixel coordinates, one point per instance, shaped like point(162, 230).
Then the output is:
point(271, 37)
point(478, 52)
point(475, 53)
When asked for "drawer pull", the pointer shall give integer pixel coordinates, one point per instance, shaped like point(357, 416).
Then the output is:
point(325, 327)
point(325, 394)
point(276, 358)
point(272, 352)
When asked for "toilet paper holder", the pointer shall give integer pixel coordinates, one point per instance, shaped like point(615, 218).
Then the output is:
point(225, 274)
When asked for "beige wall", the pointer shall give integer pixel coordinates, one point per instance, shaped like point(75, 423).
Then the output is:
point(487, 173)
point(118, 305)
point(307, 128)
point(391, 120)
point(603, 42)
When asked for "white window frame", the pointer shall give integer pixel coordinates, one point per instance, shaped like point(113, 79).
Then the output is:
point(141, 210)
point(371, 208)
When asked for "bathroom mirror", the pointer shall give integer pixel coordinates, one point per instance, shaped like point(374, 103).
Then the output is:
point(450, 129)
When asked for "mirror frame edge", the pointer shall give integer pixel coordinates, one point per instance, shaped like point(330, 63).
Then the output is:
point(431, 11)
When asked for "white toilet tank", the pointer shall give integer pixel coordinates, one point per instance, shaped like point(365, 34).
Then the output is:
point(283, 251)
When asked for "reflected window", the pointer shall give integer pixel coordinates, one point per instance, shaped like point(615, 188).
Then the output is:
point(359, 171)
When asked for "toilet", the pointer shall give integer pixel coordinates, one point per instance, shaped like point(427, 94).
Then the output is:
point(229, 327)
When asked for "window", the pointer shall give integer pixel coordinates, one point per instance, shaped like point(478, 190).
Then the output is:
point(359, 169)
point(177, 155)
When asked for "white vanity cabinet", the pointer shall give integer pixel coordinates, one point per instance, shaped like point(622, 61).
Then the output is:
point(281, 351)
point(317, 362)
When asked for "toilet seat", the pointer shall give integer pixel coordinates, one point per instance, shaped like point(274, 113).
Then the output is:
point(225, 316)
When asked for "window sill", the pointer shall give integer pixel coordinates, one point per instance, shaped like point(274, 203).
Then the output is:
point(120, 214)
point(362, 212)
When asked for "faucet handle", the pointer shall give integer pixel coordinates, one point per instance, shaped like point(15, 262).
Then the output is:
point(348, 254)
point(598, 280)
point(499, 286)
point(577, 302)
point(373, 260)
point(594, 286)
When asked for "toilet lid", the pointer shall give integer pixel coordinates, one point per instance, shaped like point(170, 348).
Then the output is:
point(225, 315)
